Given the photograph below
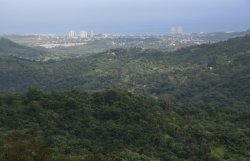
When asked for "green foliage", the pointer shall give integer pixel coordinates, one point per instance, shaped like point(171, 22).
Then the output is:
point(33, 95)
point(113, 126)
point(216, 74)
point(8, 47)
point(9, 98)
point(185, 121)
point(24, 148)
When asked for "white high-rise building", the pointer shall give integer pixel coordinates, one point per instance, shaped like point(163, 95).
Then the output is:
point(83, 34)
point(91, 33)
point(176, 30)
point(179, 30)
point(72, 34)
point(173, 30)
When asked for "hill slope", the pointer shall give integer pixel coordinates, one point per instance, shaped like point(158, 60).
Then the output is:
point(210, 73)
point(8, 47)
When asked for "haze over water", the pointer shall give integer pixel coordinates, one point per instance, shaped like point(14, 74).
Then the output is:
point(122, 16)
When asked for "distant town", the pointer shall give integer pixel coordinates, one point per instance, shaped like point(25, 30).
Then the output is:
point(72, 38)
point(174, 39)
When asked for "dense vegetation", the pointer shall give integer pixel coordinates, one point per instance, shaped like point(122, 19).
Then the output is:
point(217, 74)
point(139, 104)
point(118, 126)
point(8, 47)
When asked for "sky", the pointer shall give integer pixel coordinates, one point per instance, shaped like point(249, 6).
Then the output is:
point(122, 16)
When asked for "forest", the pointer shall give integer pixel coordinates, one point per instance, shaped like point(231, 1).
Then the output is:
point(118, 126)
point(217, 74)
point(127, 104)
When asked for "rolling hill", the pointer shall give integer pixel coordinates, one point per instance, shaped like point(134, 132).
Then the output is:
point(10, 48)
point(127, 104)
point(209, 73)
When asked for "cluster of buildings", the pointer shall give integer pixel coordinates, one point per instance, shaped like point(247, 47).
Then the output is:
point(82, 34)
point(176, 30)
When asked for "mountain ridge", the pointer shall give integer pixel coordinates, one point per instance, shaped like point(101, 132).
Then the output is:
point(184, 74)
point(8, 47)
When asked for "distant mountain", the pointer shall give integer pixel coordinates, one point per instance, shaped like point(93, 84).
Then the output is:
point(8, 47)
point(217, 73)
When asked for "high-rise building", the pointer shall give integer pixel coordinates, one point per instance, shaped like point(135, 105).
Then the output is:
point(173, 30)
point(83, 34)
point(176, 30)
point(72, 34)
point(91, 33)
point(179, 30)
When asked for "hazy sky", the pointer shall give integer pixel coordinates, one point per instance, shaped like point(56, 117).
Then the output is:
point(123, 16)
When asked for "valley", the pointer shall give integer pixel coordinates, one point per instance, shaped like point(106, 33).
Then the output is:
point(127, 103)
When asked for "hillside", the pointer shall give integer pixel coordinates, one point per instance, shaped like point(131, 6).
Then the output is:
point(8, 47)
point(208, 73)
point(115, 126)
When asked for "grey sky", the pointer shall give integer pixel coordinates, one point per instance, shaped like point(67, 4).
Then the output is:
point(122, 16)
